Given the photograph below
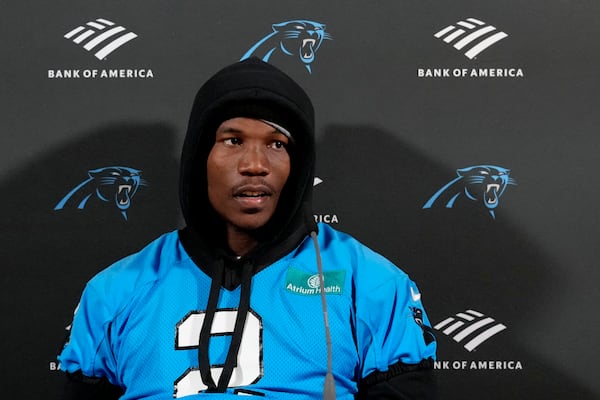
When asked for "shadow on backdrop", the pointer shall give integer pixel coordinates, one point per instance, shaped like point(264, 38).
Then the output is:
point(461, 258)
point(50, 254)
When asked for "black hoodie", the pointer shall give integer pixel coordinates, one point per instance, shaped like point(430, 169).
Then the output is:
point(251, 89)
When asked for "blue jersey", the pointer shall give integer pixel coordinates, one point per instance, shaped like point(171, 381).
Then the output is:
point(138, 323)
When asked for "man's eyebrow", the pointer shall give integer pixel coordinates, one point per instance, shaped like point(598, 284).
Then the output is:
point(228, 129)
point(231, 129)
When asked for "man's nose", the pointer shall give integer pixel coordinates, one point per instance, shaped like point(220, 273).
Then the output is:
point(254, 161)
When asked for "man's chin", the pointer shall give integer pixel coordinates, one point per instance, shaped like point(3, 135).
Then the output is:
point(251, 221)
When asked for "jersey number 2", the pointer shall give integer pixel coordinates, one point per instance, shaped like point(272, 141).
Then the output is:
point(248, 369)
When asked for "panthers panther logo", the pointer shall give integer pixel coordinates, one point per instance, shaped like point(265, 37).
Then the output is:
point(116, 185)
point(428, 335)
point(301, 38)
point(480, 183)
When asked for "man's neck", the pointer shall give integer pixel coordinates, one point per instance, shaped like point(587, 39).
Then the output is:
point(240, 242)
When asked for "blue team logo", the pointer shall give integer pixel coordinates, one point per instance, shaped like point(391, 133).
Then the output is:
point(296, 38)
point(483, 184)
point(113, 185)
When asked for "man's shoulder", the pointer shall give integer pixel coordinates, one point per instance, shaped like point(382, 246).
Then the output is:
point(329, 235)
point(359, 256)
point(145, 265)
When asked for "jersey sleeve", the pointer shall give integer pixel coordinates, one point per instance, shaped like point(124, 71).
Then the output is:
point(393, 331)
point(87, 350)
point(395, 339)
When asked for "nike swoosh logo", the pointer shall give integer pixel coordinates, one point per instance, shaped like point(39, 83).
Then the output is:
point(415, 296)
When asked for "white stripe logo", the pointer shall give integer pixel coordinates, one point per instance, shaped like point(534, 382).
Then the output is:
point(101, 36)
point(472, 35)
point(416, 296)
point(472, 326)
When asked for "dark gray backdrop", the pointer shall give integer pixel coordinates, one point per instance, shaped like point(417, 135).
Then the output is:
point(388, 139)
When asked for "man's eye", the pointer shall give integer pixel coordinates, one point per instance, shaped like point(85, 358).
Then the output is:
point(232, 141)
point(278, 144)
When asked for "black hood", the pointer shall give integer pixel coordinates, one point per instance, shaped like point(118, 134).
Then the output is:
point(252, 89)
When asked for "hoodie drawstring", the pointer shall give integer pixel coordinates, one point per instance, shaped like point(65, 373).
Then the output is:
point(238, 330)
point(203, 342)
point(240, 322)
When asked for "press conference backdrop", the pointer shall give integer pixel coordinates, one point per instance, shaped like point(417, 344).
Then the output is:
point(457, 138)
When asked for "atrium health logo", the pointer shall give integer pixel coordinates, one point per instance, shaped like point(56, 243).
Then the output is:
point(482, 184)
point(113, 185)
point(299, 38)
point(101, 36)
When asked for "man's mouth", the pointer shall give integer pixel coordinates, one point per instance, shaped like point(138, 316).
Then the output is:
point(252, 197)
point(252, 194)
point(253, 190)
point(252, 202)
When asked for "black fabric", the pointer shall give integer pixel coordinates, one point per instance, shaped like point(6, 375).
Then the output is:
point(232, 272)
point(81, 387)
point(253, 89)
point(400, 382)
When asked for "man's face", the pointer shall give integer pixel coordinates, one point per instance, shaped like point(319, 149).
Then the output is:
point(246, 171)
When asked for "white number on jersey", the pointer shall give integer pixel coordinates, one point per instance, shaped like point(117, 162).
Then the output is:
point(249, 362)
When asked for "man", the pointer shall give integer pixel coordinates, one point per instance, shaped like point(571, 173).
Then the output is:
point(242, 302)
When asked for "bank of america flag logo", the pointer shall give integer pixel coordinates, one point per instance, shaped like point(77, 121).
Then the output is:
point(100, 36)
point(471, 36)
point(470, 327)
